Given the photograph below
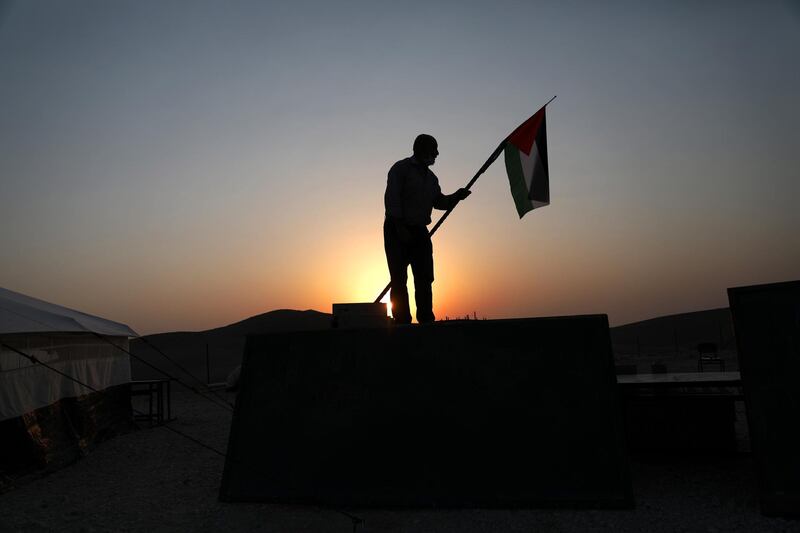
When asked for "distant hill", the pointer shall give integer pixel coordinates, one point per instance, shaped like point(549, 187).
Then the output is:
point(278, 320)
point(224, 345)
point(671, 340)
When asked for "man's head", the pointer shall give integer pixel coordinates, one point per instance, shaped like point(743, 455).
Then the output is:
point(426, 149)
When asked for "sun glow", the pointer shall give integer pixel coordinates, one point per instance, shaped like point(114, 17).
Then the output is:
point(363, 279)
point(388, 303)
point(358, 272)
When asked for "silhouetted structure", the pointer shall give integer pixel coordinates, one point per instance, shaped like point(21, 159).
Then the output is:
point(766, 319)
point(412, 191)
point(681, 412)
point(474, 413)
point(359, 315)
point(707, 356)
point(658, 368)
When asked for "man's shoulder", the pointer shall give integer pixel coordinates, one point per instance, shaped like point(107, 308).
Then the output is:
point(401, 169)
point(403, 163)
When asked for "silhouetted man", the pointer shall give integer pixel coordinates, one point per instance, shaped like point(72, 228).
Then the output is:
point(412, 191)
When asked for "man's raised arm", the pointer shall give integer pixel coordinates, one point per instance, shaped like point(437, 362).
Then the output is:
point(449, 201)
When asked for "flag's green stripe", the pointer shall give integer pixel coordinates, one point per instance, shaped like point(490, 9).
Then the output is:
point(519, 191)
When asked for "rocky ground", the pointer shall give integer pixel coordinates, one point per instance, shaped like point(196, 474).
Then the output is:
point(154, 479)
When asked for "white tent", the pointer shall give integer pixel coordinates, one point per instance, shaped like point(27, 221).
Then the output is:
point(64, 339)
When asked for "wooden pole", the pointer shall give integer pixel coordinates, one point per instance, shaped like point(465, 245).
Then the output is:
point(477, 175)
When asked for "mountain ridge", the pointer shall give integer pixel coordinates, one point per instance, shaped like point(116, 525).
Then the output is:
point(211, 354)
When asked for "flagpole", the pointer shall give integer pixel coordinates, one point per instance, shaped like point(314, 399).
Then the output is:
point(477, 175)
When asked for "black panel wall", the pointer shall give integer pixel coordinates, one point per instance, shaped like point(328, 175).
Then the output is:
point(510, 413)
point(766, 320)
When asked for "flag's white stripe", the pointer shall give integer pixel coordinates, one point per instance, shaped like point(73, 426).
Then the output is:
point(529, 164)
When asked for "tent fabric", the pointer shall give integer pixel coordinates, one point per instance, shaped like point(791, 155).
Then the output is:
point(25, 386)
point(23, 314)
point(64, 339)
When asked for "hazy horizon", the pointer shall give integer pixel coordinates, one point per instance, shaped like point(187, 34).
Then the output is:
point(459, 317)
point(185, 165)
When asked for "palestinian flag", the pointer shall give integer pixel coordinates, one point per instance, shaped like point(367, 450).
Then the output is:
point(526, 164)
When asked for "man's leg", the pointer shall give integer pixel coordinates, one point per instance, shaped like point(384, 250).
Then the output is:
point(397, 259)
point(422, 267)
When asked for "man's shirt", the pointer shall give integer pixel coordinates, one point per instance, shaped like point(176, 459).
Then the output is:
point(412, 191)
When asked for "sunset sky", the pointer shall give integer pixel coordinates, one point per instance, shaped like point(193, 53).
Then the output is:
point(181, 165)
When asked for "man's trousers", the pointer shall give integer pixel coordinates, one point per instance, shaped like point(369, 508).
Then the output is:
point(417, 252)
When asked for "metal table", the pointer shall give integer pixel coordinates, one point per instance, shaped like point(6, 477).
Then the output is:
point(154, 389)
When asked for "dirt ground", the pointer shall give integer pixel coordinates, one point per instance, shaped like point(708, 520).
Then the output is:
point(155, 480)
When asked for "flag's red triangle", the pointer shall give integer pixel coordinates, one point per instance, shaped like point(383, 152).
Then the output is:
point(525, 134)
